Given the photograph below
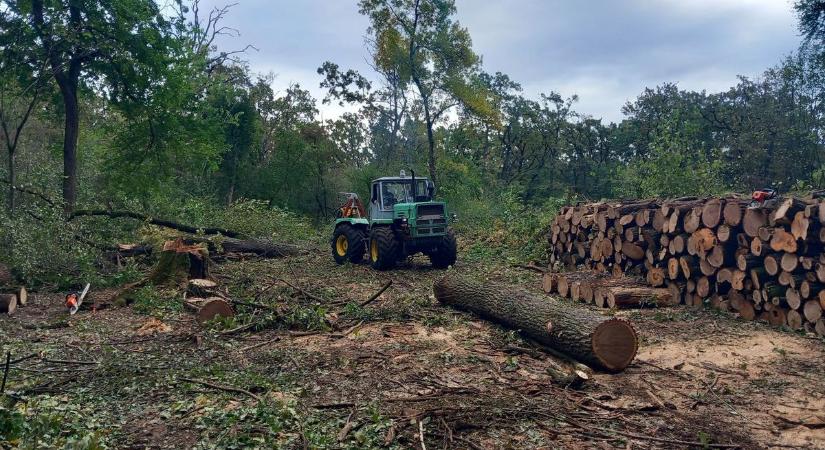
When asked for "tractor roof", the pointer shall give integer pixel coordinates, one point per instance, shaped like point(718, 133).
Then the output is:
point(398, 179)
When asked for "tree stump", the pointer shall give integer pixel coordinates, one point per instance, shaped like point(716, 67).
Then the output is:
point(202, 288)
point(180, 262)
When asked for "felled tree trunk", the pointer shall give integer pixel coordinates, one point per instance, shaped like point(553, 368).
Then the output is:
point(180, 262)
point(8, 303)
point(606, 343)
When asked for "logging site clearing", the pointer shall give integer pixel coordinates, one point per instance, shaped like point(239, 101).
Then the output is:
point(312, 359)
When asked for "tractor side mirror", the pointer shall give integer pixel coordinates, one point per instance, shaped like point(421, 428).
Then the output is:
point(430, 189)
point(374, 196)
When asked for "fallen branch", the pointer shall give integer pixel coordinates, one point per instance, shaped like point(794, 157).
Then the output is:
point(532, 267)
point(159, 222)
point(221, 387)
point(26, 190)
point(377, 294)
point(260, 344)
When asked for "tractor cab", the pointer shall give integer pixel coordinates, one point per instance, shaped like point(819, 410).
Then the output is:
point(389, 192)
point(402, 219)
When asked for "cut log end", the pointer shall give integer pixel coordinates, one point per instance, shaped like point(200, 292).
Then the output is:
point(8, 303)
point(615, 344)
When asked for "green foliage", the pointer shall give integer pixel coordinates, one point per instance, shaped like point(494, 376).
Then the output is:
point(47, 422)
point(671, 169)
point(310, 318)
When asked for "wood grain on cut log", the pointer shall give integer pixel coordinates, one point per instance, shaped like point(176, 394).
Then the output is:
point(733, 212)
point(789, 262)
point(605, 343)
point(793, 298)
point(704, 239)
point(782, 241)
point(8, 303)
point(723, 233)
point(656, 277)
point(548, 282)
point(794, 320)
point(810, 289)
point(800, 226)
point(633, 251)
point(693, 220)
point(712, 212)
point(771, 263)
point(208, 309)
point(812, 310)
point(754, 219)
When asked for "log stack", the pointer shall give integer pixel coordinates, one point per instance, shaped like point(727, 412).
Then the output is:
point(765, 262)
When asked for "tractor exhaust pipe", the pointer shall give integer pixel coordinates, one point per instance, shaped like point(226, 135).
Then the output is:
point(414, 186)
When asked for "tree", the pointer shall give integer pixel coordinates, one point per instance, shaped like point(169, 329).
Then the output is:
point(437, 57)
point(22, 86)
point(116, 46)
point(811, 14)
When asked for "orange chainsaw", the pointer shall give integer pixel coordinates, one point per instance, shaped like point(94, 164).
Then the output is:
point(760, 197)
point(75, 299)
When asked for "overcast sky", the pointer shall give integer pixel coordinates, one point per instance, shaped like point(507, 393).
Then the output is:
point(605, 51)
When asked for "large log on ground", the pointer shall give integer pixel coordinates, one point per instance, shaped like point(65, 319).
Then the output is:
point(8, 303)
point(605, 343)
point(623, 297)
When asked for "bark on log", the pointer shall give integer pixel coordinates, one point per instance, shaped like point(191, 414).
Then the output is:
point(605, 343)
point(712, 212)
point(634, 297)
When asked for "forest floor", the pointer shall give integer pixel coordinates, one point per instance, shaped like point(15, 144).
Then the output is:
point(402, 371)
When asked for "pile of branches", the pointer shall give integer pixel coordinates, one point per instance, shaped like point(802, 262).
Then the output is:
point(764, 261)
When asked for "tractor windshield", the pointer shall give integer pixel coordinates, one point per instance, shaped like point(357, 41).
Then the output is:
point(393, 192)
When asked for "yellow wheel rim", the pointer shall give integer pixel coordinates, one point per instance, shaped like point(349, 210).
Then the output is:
point(341, 245)
point(374, 250)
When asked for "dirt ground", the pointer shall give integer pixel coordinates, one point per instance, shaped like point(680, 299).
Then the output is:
point(402, 371)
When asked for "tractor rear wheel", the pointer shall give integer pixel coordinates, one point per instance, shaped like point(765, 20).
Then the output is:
point(447, 252)
point(347, 244)
point(384, 248)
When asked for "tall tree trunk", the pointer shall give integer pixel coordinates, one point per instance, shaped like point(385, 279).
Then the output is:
point(12, 181)
point(431, 152)
point(70, 136)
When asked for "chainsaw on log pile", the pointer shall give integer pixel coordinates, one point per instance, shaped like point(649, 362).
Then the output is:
point(760, 198)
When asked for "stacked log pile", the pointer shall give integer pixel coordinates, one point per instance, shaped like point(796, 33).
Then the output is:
point(765, 262)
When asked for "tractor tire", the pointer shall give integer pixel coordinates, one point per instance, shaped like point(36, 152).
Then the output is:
point(347, 244)
point(447, 252)
point(384, 248)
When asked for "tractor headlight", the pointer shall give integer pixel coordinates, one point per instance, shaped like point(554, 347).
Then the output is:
point(454, 217)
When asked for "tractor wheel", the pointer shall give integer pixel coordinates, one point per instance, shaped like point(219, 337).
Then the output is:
point(447, 252)
point(347, 244)
point(384, 248)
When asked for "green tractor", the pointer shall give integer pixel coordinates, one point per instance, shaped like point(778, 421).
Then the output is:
point(402, 220)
